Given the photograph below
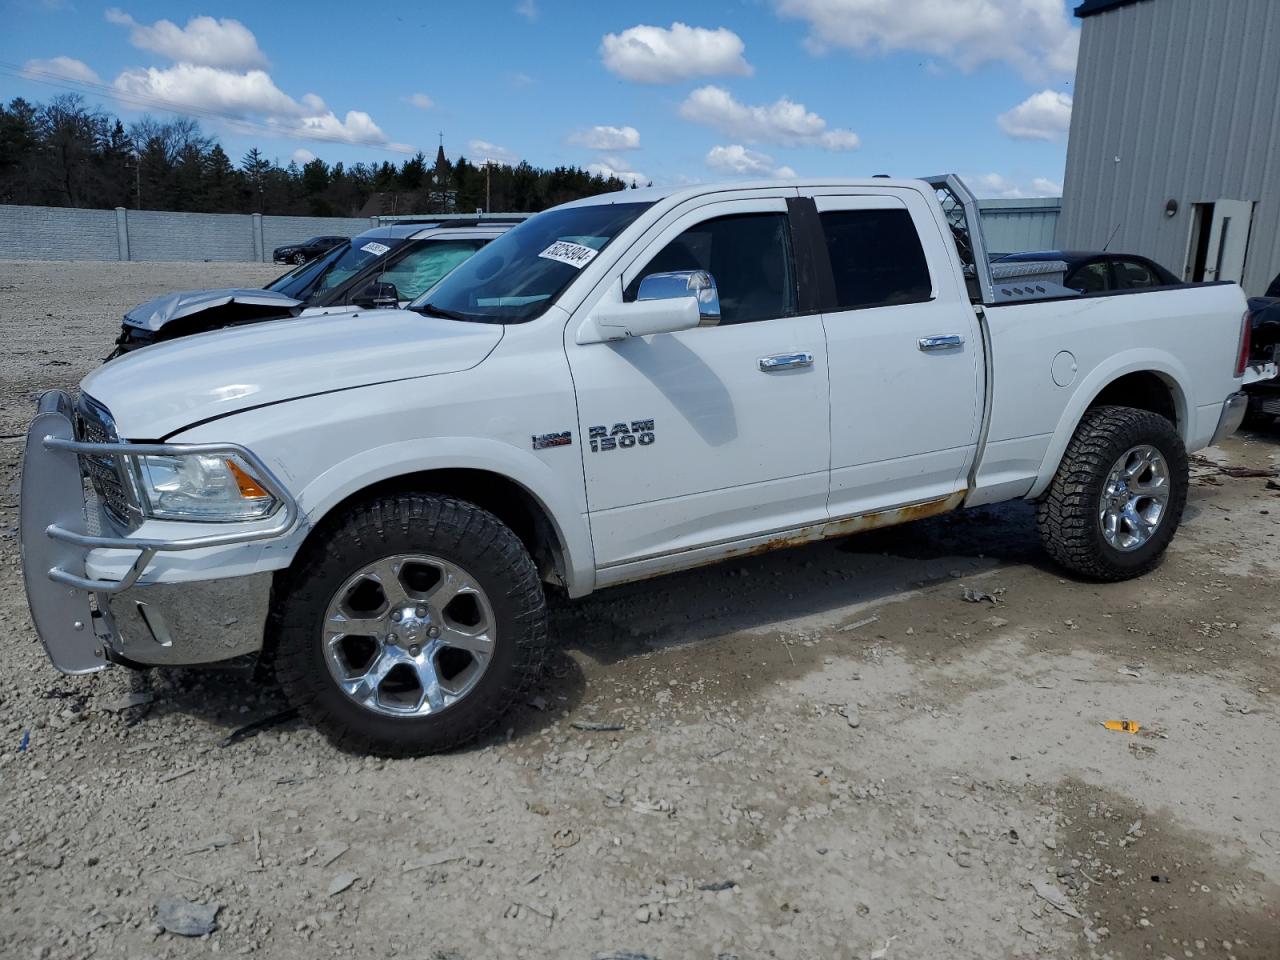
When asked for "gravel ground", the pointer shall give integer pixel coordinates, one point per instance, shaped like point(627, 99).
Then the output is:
point(823, 752)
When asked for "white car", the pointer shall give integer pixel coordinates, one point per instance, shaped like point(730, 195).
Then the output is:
point(622, 386)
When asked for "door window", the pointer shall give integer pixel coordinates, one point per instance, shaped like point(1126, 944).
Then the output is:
point(1134, 275)
point(876, 258)
point(426, 265)
point(1091, 278)
point(749, 255)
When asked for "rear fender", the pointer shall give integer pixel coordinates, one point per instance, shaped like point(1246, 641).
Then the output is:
point(1165, 365)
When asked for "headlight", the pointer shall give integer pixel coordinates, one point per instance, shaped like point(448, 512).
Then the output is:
point(200, 487)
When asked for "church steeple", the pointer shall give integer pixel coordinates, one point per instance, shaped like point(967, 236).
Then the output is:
point(441, 162)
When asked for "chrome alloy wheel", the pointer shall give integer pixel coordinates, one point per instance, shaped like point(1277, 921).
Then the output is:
point(409, 635)
point(1134, 498)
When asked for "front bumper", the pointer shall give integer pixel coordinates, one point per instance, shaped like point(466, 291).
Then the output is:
point(85, 622)
point(1233, 411)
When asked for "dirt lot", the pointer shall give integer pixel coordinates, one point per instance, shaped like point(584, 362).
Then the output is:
point(825, 752)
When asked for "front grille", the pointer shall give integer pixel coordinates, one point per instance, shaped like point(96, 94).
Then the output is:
point(94, 425)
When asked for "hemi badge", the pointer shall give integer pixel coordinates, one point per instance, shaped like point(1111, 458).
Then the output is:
point(562, 439)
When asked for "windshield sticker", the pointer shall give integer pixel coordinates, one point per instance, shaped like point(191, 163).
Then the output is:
point(574, 254)
point(377, 249)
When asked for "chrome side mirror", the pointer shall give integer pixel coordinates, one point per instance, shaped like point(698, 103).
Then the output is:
point(685, 283)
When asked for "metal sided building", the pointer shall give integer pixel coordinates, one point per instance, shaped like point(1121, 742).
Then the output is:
point(1175, 136)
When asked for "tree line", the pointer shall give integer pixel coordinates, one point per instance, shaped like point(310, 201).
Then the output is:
point(66, 154)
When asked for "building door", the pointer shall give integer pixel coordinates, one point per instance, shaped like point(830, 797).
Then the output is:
point(1219, 240)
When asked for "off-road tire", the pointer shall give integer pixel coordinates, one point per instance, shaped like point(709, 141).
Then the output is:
point(1067, 516)
point(442, 526)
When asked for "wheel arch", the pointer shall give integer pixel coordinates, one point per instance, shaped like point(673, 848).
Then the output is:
point(1141, 379)
point(517, 487)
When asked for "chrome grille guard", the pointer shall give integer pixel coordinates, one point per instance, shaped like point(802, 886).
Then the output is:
point(56, 403)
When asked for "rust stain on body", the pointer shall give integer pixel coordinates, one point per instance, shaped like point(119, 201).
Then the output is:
point(825, 531)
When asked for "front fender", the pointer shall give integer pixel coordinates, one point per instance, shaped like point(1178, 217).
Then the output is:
point(1145, 360)
point(386, 462)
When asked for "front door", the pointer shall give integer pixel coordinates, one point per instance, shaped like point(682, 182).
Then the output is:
point(905, 355)
point(713, 434)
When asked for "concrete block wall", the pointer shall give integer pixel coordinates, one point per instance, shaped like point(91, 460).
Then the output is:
point(57, 233)
point(66, 233)
point(157, 235)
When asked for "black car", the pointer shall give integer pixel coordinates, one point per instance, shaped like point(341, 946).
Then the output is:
point(384, 267)
point(307, 250)
point(1264, 348)
point(1099, 272)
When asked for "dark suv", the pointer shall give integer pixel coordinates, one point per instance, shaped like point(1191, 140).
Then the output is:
point(307, 250)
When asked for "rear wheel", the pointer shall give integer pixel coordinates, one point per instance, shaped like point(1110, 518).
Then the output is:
point(413, 626)
point(1118, 496)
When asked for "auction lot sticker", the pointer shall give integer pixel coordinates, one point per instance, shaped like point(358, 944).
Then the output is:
point(574, 254)
point(377, 249)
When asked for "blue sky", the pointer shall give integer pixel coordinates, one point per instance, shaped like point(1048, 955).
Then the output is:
point(661, 91)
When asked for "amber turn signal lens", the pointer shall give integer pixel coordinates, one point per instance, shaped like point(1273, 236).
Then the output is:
point(249, 488)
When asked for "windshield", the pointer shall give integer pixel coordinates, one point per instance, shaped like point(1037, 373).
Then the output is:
point(516, 277)
point(313, 280)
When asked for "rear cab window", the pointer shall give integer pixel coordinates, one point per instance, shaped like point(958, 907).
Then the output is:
point(876, 257)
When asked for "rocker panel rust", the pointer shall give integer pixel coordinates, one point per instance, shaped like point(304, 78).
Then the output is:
point(811, 534)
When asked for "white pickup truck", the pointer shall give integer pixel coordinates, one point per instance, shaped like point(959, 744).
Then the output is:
point(620, 387)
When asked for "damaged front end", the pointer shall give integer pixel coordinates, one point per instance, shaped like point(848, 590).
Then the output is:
point(198, 311)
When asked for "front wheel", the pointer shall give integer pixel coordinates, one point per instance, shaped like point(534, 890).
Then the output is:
point(1118, 496)
point(299, 258)
point(412, 628)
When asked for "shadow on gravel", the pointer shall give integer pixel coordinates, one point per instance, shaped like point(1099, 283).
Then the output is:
point(230, 698)
point(756, 593)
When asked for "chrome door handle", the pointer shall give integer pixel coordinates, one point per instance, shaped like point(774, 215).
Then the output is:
point(942, 341)
point(785, 361)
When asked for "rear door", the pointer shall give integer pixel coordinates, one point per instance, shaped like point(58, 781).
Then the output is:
point(904, 351)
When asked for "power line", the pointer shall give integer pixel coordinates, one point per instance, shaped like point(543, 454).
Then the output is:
point(144, 101)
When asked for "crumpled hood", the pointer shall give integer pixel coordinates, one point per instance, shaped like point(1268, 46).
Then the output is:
point(154, 314)
point(154, 392)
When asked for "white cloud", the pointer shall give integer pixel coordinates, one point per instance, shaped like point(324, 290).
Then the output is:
point(1042, 116)
point(66, 68)
point(482, 150)
point(420, 100)
point(998, 185)
point(783, 122)
point(302, 156)
point(204, 40)
point(648, 54)
point(738, 160)
point(617, 167)
point(527, 9)
point(607, 138)
point(1036, 37)
point(251, 95)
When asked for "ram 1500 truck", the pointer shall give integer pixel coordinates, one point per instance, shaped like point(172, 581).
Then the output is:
point(619, 387)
